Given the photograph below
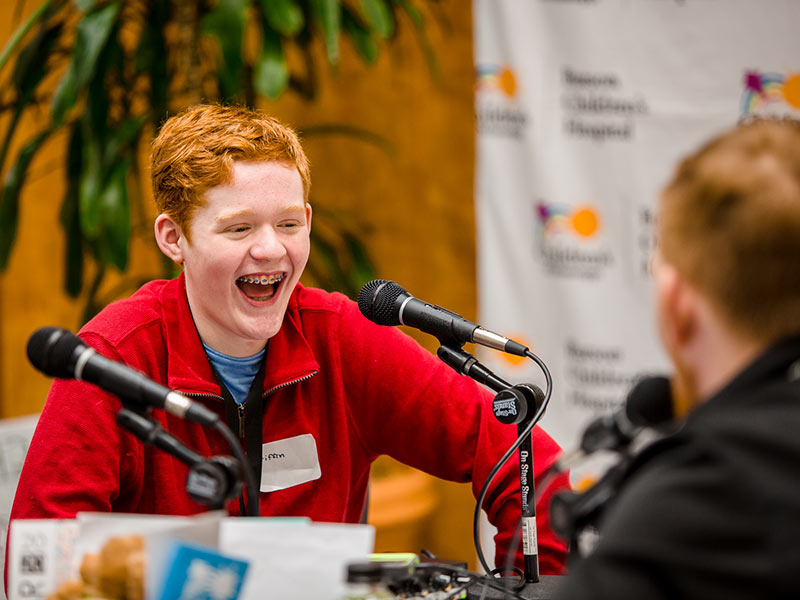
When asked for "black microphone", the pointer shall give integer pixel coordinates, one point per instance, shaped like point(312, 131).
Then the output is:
point(386, 303)
point(649, 404)
point(59, 353)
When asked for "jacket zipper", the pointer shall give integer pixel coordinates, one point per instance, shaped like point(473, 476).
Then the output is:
point(240, 407)
point(288, 383)
point(240, 410)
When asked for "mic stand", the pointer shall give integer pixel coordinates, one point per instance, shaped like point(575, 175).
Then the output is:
point(518, 405)
point(211, 481)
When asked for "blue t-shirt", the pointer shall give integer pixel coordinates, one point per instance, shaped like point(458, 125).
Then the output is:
point(237, 374)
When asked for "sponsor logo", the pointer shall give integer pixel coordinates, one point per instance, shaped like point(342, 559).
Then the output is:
point(582, 221)
point(497, 109)
point(770, 94)
point(497, 78)
point(596, 108)
point(569, 241)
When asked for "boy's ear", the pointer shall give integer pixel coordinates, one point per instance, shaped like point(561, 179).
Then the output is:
point(168, 235)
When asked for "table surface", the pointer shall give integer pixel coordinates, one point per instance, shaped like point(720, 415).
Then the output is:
point(543, 590)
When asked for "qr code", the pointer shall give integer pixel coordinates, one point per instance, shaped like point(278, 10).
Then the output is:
point(33, 563)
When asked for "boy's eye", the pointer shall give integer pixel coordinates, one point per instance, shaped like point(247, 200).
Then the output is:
point(239, 229)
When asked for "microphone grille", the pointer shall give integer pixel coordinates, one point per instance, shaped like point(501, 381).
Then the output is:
point(649, 403)
point(376, 301)
point(50, 350)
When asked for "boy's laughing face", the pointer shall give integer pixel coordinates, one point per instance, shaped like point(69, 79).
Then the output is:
point(250, 244)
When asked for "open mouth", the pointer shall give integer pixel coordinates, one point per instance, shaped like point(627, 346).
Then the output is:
point(260, 287)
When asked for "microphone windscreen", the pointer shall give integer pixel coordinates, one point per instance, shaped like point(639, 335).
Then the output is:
point(376, 301)
point(50, 350)
point(649, 403)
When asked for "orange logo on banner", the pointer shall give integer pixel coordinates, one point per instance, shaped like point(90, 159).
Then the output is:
point(498, 77)
point(583, 220)
point(791, 91)
point(762, 90)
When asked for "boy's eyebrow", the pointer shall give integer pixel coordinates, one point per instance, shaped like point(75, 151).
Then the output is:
point(246, 212)
point(234, 214)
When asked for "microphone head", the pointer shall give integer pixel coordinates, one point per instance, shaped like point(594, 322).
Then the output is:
point(376, 301)
point(50, 350)
point(649, 403)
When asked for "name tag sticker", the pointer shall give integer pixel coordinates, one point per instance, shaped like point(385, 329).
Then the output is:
point(289, 462)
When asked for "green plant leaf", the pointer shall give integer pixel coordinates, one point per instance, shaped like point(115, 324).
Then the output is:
point(91, 183)
point(226, 22)
point(151, 58)
point(362, 38)
point(9, 196)
point(379, 16)
point(31, 65)
point(123, 137)
point(70, 216)
point(329, 15)
point(116, 218)
point(84, 5)
point(271, 73)
point(42, 13)
point(422, 35)
point(284, 16)
point(91, 36)
point(412, 12)
point(28, 73)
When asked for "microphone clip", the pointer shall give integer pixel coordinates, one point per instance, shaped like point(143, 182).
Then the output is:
point(517, 404)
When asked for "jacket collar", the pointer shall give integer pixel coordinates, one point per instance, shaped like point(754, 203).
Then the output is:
point(780, 361)
point(289, 357)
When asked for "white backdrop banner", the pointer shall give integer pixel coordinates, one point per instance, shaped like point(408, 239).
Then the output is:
point(583, 109)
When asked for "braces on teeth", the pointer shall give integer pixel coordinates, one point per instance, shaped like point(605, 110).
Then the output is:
point(262, 280)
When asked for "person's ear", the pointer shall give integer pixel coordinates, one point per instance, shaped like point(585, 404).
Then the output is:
point(677, 306)
point(168, 237)
point(308, 216)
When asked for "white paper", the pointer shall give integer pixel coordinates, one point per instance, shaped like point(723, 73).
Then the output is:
point(293, 561)
point(39, 557)
point(203, 529)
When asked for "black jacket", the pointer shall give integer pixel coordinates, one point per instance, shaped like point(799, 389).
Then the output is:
point(713, 511)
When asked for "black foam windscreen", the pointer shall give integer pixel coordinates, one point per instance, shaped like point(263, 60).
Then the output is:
point(376, 301)
point(50, 350)
point(650, 403)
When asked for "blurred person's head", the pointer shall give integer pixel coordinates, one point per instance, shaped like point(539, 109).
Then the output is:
point(231, 185)
point(726, 271)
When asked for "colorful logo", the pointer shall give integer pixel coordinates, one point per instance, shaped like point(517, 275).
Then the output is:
point(582, 221)
point(763, 91)
point(497, 77)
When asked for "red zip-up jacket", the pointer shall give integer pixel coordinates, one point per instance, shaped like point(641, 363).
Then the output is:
point(360, 389)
